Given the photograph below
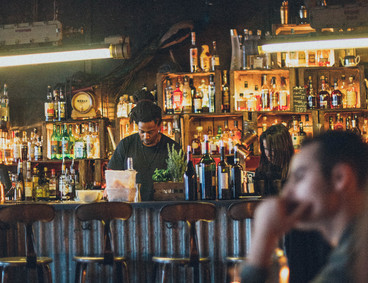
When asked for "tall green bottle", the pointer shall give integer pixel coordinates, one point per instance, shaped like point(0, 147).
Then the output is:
point(207, 174)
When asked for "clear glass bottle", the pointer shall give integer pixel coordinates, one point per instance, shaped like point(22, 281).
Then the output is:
point(351, 94)
point(241, 103)
point(212, 94)
point(187, 97)
point(203, 89)
point(197, 98)
point(274, 95)
point(283, 95)
point(169, 107)
point(193, 55)
point(80, 145)
point(265, 94)
point(205, 59)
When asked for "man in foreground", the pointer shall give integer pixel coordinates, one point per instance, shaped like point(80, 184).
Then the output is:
point(325, 192)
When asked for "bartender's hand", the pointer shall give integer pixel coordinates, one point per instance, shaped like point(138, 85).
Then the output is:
point(273, 218)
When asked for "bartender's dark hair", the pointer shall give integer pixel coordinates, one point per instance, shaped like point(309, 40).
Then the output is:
point(146, 111)
point(336, 147)
point(280, 147)
point(143, 95)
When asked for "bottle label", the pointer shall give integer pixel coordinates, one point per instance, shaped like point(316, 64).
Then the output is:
point(79, 150)
point(193, 60)
point(223, 181)
point(54, 147)
point(61, 110)
point(197, 105)
point(28, 189)
point(351, 99)
point(282, 99)
point(65, 146)
point(49, 110)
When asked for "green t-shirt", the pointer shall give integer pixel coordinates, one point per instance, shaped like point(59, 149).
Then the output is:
point(145, 160)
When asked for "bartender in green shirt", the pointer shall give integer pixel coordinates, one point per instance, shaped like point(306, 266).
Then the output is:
point(148, 147)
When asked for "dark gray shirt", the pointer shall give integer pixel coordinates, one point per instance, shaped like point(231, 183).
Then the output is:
point(145, 160)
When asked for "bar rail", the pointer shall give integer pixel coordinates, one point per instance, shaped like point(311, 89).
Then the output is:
point(138, 238)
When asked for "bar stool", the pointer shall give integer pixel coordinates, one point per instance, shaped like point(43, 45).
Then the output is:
point(189, 213)
point(27, 214)
point(104, 212)
point(238, 212)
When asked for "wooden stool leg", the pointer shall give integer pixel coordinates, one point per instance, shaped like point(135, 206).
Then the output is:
point(126, 271)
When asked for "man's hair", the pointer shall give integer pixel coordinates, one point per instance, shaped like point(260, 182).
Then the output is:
point(143, 95)
point(146, 111)
point(341, 147)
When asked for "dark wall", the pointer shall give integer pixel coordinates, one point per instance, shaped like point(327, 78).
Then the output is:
point(143, 21)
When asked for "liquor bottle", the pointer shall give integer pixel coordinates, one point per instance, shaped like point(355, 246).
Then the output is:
point(211, 94)
point(347, 124)
point(28, 185)
point(223, 175)
point(96, 142)
point(5, 108)
point(265, 94)
point(336, 97)
point(37, 188)
point(236, 52)
point(355, 126)
point(226, 135)
point(121, 107)
point(24, 147)
point(187, 96)
point(245, 50)
point(197, 98)
point(73, 173)
point(8, 151)
point(61, 106)
point(16, 146)
point(39, 149)
point(49, 106)
point(283, 95)
point(205, 59)
point(342, 88)
point(365, 131)
point(59, 141)
point(54, 144)
point(53, 195)
point(31, 146)
point(64, 183)
point(215, 59)
point(177, 99)
point(45, 183)
point(80, 145)
point(71, 142)
point(203, 89)
point(312, 98)
point(169, 97)
point(324, 96)
point(302, 134)
point(193, 55)
point(190, 178)
point(274, 95)
point(351, 94)
point(241, 103)
point(237, 133)
point(56, 104)
point(65, 143)
point(225, 93)
point(196, 145)
point(295, 134)
point(19, 186)
point(207, 174)
point(90, 141)
point(237, 186)
point(331, 125)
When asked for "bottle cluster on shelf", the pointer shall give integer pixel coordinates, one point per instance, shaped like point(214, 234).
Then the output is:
point(228, 137)
point(349, 122)
point(221, 181)
point(74, 141)
point(55, 105)
point(124, 106)
point(343, 94)
point(14, 147)
point(40, 185)
point(273, 95)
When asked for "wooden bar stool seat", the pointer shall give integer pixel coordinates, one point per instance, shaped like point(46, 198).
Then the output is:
point(189, 213)
point(238, 212)
point(104, 212)
point(27, 214)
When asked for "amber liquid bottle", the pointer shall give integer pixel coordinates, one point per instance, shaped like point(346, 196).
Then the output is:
point(225, 93)
point(324, 96)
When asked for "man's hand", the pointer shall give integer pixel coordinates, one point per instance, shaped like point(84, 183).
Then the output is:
point(273, 218)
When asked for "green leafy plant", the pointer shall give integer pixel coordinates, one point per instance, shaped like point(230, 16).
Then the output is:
point(161, 175)
point(175, 163)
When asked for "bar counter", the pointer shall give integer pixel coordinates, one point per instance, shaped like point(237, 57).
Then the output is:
point(138, 238)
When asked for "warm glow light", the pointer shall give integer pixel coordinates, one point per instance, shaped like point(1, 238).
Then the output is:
point(55, 57)
point(284, 275)
point(314, 45)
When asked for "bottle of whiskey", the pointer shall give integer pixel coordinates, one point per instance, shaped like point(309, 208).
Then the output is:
point(215, 59)
point(351, 94)
point(28, 184)
point(53, 195)
point(56, 104)
point(61, 106)
point(355, 126)
point(274, 95)
point(295, 134)
point(187, 97)
point(193, 55)
point(336, 97)
point(283, 95)
point(49, 106)
point(203, 89)
point(205, 59)
point(312, 101)
point(225, 93)
point(177, 99)
point(207, 174)
point(324, 96)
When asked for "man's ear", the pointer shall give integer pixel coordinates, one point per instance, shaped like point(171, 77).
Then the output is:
point(343, 177)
